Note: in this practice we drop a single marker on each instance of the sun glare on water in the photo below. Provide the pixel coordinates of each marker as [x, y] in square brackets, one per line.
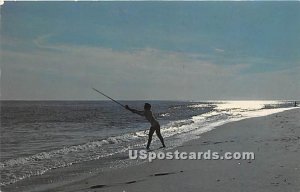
[250, 105]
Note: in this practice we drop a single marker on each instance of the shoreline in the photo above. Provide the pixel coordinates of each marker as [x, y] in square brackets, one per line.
[278, 137]
[132, 179]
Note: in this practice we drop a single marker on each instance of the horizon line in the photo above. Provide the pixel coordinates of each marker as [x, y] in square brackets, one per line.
[192, 100]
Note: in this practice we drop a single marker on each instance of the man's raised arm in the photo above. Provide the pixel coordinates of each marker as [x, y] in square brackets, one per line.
[141, 113]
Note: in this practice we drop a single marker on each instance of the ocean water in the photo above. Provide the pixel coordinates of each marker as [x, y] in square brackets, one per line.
[48, 138]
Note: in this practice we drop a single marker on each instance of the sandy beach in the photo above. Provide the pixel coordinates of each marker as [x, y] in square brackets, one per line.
[275, 140]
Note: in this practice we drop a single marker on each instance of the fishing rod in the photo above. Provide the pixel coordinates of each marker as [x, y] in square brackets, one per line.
[109, 97]
[112, 100]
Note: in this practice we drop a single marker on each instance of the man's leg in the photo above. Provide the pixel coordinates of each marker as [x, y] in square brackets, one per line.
[151, 131]
[160, 137]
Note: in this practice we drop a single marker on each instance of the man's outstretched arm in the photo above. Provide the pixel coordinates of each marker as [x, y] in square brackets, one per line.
[141, 113]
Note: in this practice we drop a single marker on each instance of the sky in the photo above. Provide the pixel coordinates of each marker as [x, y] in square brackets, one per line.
[150, 50]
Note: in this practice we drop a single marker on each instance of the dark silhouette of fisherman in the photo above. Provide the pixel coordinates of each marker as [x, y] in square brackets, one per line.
[147, 113]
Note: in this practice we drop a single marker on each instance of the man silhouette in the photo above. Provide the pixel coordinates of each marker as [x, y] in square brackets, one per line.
[147, 113]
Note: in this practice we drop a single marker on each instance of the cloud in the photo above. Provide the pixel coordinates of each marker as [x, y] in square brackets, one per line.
[69, 72]
[219, 50]
[283, 84]
[41, 41]
[137, 73]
